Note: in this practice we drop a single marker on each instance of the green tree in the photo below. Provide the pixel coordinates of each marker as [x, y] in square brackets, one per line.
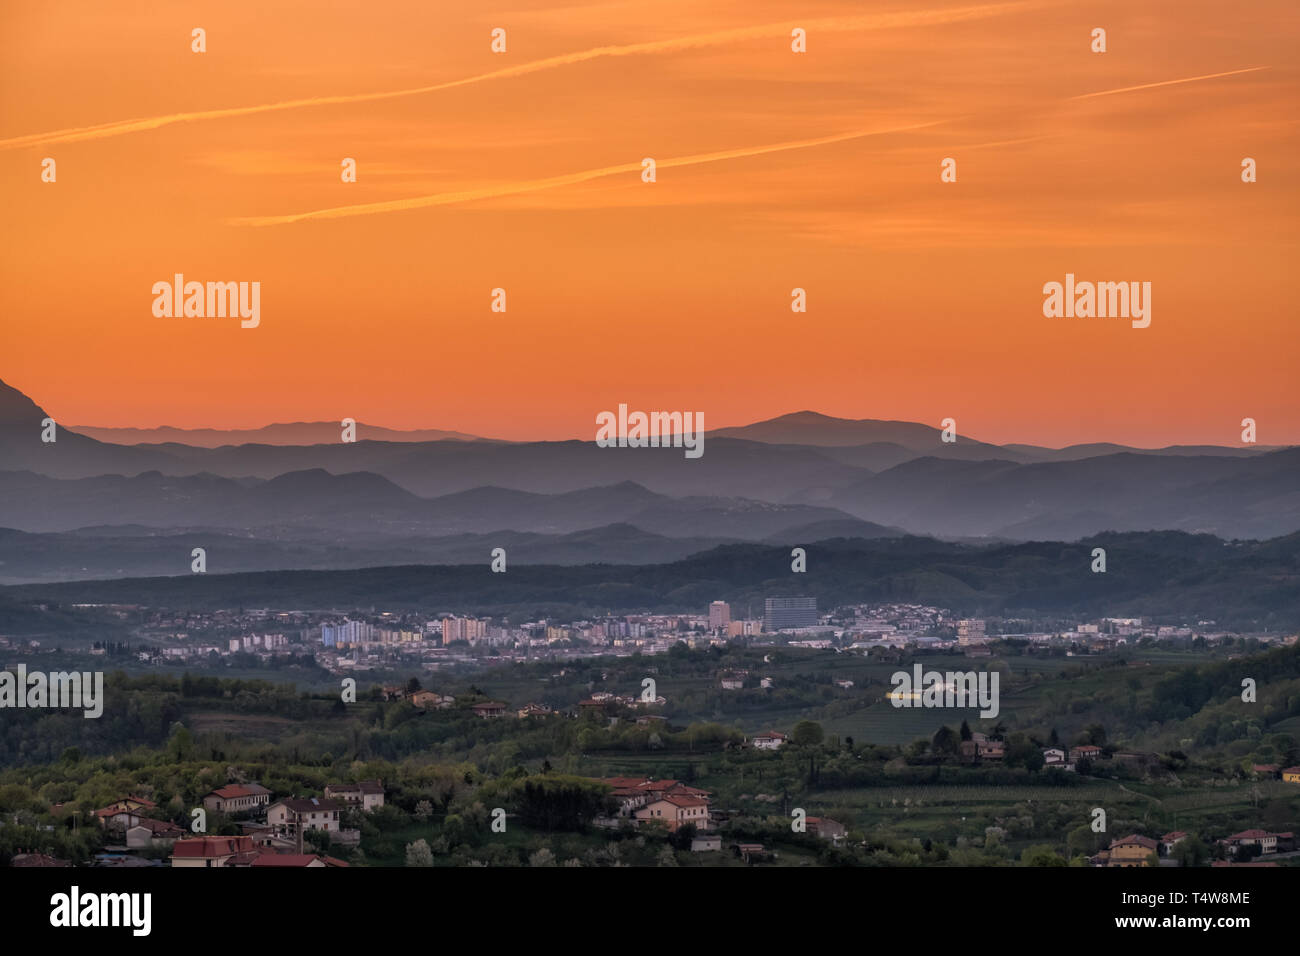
[419, 854]
[807, 733]
[1041, 855]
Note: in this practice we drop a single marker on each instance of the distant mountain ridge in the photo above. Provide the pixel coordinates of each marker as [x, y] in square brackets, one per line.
[280, 433]
[752, 482]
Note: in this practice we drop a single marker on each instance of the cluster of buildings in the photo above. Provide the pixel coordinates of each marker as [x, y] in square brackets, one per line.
[1136, 850]
[272, 830]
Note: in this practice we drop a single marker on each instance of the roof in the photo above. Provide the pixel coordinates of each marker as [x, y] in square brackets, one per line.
[1141, 841]
[1174, 835]
[309, 805]
[681, 800]
[232, 791]
[210, 846]
[157, 826]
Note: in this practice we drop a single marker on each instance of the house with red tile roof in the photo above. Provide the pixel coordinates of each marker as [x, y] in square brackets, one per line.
[237, 798]
[1172, 839]
[209, 851]
[152, 833]
[676, 810]
[1133, 850]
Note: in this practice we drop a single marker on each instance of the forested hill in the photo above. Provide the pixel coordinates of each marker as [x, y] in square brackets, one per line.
[1159, 575]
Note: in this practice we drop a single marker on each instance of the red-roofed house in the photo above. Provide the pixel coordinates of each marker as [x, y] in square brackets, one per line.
[209, 851]
[1267, 842]
[826, 829]
[237, 798]
[677, 810]
[124, 813]
[1171, 839]
[1131, 851]
[152, 833]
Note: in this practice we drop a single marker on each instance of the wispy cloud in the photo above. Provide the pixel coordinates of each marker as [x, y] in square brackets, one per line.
[570, 179]
[1150, 86]
[873, 21]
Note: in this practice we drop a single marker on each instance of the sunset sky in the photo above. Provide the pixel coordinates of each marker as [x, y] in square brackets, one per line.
[924, 299]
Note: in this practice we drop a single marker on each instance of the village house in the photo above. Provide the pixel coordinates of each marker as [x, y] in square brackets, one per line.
[1053, 757]
[635, 794]
[152, 833]
[1291, 774]
[209, 851]
[732, 680]
[1172, 839]
[490, 708]
[1266, 841]
[1131, 851]
[772, 740]
[706, 843]
[124, 813]
[991, 750]
[430, 700]
[534, 710]
[237, 798]
[364, 794]
[287, 816]
[1084, 752]
[676, 810]
[826, 829]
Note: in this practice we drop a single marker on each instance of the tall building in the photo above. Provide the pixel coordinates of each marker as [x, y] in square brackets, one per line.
[788, 612]
[349, 632]
[970, 632]
[719, 615]
[463, 629]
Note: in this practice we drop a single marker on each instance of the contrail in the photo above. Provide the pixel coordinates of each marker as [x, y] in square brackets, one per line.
[1147, 86]
[510, 189]
[874, 21]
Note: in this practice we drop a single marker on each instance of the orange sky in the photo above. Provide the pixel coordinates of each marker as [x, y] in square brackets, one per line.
[924, 298]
